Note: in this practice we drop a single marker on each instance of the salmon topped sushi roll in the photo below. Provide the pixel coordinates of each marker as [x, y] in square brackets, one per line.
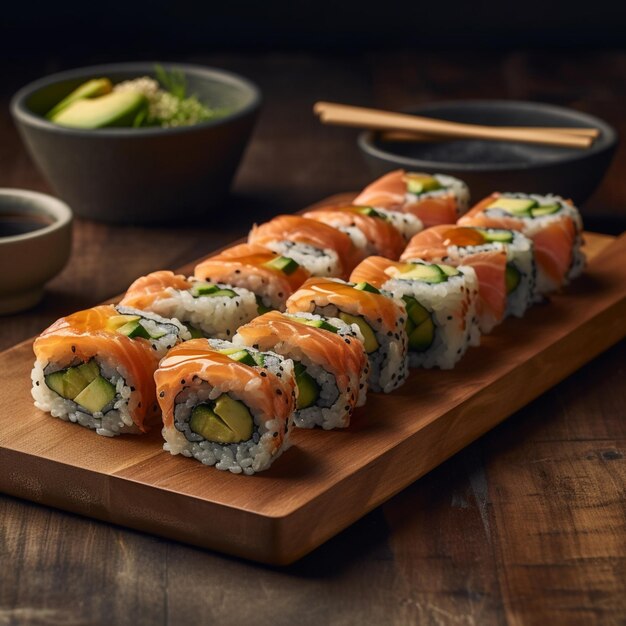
[269, 275]
[552, 223]
[330, 363]
[433, 198]
[380, 318]
[226, 406]
[492, 254]
[211, 309]
[370, 230]
[440, 301]
[95, 368]
[320, 248]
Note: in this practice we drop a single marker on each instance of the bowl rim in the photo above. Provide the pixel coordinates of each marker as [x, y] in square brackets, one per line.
[607, 140]
[44, 203]
[21, 113]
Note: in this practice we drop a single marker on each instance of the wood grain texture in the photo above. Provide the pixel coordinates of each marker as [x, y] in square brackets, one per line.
[283, 514]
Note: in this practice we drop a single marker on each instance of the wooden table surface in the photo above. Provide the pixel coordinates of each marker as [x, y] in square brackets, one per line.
[525, 526]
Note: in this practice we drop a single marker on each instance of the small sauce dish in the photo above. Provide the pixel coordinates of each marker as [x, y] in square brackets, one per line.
[35, 245]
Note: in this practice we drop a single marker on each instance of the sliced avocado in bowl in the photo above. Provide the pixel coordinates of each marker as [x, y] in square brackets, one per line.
[90, 89]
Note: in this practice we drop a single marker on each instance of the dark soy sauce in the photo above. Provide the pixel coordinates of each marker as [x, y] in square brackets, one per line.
[12, 224]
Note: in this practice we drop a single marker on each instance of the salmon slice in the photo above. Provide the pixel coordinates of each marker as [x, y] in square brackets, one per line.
[382, 237]
[303, 230]
[258, 388]
[390, 192]
[84, 335]
[436, 245]
[146, 290]
[322, 292]
[238, 264]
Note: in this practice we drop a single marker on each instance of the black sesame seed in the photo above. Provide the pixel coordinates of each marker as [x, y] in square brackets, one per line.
[182, 382]
[73, 348]
[37, 383]
[275, 435]
[449, 318]
[280, 294]
[361, 385]
[237, 271]
[347, 407]
[279, 392]
[132, 388]
[139, 405]
[347, 341]
[228, 332]
[162, 394]
[263, 374]
[389, 334]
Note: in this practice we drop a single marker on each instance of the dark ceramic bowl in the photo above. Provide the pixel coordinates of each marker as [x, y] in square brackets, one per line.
[146, 174]
[488, 166]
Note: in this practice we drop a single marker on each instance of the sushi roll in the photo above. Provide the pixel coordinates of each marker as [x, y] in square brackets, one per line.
[227, 407]
[440, 302]
[380, 318]
[554, 225]
[95, 368]
[433, 198]
[270, 276]
[503, 261]
[320, 248]
[211, 309]
[330, 364]
[370, 231]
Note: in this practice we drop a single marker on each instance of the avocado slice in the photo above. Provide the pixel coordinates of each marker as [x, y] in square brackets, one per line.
[223, 293]
[236, 416]
[548, 209]
[90, 89]
[421, 183]
[421, 338]
[283, 264]
[260, 307]
[67, 383]
[448, 270]
[207, 424]
[96, 395]
[370, 343]
[117, 321]
[118, 108]
[363, 286]
[89, 370]
[497, 235]
[512, 278]
[308, 389]
[416, 313]
[322, 324]
[427, 273]
[515, 206]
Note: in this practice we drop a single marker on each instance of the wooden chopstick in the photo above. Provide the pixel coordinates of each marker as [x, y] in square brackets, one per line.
[401, 135]
[346, 115]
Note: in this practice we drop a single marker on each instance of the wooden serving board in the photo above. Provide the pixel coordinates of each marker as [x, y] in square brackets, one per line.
[328, 479]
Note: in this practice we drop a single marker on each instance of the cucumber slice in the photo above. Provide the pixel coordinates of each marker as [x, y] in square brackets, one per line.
[369, 212]
[308, 389]
[370, 343]
[322, 324]
[203, 289]
[69, 382]
[223, 293]
[56, 382]
[421, 183]
[259, 358]
[236, 416]
[512, 278]
[283, 264]
[96, 395]
[134, 330]
[195, 333]
[498, 235]
[514, 206]
[363, 286]
[427, 273]
[242, 356]
[448, 270]
[548, 209]
[260, 307]
[207, 424]
[116, 321]
[421, 338]
[416, 313]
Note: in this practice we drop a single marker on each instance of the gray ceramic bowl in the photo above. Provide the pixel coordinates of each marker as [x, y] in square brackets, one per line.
[488, 166]
[31, 259]
[146, 174]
